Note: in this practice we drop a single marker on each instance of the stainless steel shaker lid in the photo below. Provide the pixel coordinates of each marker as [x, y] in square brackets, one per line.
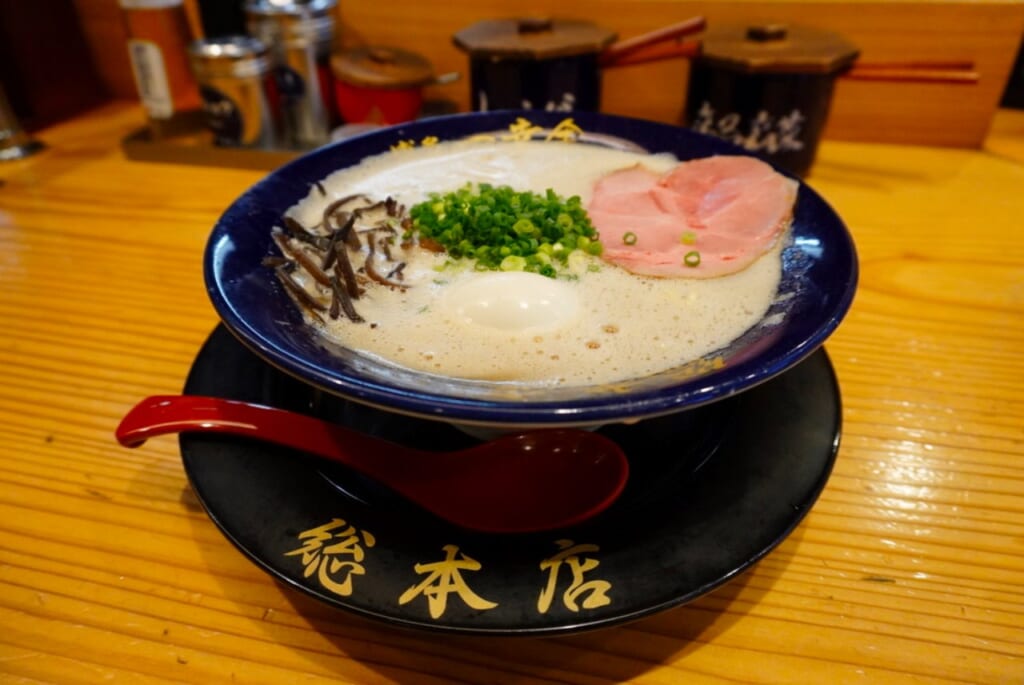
[278, 7]
[533, 37]
[293, 23]
[232, 56]
[149, 4]
[777, 48]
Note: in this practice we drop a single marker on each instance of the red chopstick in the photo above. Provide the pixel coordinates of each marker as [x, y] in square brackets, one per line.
[624, 48]
[949, 71]
[656, 53]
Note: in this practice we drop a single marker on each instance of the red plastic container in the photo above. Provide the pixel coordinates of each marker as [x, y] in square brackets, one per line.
[380, 85]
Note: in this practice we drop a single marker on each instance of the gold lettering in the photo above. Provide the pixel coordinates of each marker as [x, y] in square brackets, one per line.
[522, 129]
[594, 593]
[566, 131]
[334, 564]
[445, 577]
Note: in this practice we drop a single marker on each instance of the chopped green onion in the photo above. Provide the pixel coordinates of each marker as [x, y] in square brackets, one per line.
[692, 258]
[524, 227]
[513, 263]
[688, 238]
[492, 223]
[629, 238]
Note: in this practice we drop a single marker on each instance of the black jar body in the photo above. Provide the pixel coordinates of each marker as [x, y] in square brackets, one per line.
[557, 84]
[534, 63]
[767, 88]
[776, 116]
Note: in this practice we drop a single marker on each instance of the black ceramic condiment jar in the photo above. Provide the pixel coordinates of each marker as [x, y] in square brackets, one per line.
[534, 63]
[767, 88]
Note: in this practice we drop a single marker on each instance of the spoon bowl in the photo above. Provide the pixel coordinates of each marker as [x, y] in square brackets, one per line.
[518, 483]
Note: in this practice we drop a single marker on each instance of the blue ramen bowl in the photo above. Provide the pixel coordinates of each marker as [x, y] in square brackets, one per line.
[818, 283]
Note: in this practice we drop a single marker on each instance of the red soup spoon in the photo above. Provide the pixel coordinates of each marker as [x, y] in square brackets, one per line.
[526, 482]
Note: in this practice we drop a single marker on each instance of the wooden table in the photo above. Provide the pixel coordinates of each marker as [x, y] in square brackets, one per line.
[910, 568]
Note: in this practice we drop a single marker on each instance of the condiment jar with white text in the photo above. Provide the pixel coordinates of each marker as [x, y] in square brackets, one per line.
[767, 88]
[534, 63]
[158, 37]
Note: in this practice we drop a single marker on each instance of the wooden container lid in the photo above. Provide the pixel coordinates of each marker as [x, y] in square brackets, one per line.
[777, 48]
[382, 67]
[533, 37]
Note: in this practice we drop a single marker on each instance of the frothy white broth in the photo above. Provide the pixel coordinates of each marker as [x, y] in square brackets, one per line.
[604, 326]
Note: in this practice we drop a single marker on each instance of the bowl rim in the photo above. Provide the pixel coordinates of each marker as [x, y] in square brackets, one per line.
[298, 177]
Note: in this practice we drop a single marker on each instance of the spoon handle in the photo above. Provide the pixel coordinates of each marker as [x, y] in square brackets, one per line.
[164, 414]
[519, 483]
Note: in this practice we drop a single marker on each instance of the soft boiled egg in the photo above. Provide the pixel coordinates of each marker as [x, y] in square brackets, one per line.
[512, 301]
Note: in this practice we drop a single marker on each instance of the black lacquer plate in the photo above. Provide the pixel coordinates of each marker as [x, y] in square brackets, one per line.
[712, 490]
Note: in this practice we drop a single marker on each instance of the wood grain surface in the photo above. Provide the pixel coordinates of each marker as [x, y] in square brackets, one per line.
[908, 569]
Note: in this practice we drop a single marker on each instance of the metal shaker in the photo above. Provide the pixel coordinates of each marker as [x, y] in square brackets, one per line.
[299, 34]
[231, 73]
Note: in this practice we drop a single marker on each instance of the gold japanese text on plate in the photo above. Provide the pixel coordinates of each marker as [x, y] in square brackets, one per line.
[337, 552]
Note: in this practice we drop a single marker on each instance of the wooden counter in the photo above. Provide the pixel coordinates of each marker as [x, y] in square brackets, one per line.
[908, 569]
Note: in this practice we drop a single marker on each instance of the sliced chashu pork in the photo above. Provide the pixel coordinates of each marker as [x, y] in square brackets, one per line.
[732, 210]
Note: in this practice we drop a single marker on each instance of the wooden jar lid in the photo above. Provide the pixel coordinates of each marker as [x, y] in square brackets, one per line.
[777, 48]
[533, 37]
[382, 67]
